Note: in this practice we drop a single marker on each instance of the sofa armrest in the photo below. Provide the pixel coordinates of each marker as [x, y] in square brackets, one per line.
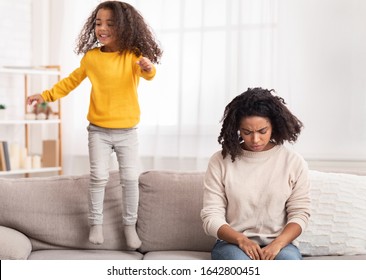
[14, 245]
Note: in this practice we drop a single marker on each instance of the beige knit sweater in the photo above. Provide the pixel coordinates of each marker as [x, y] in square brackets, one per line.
[258, 194]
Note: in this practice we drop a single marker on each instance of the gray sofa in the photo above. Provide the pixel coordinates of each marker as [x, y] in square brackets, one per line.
[45, 218]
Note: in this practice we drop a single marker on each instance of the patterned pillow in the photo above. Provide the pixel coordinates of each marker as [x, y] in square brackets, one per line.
[337, 225]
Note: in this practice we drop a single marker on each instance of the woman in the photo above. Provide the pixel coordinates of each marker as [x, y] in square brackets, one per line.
[256, 197]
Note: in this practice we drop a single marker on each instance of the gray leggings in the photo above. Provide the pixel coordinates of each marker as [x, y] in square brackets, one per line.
[102, 142]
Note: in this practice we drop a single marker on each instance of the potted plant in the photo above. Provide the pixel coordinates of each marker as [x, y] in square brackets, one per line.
[2, 112]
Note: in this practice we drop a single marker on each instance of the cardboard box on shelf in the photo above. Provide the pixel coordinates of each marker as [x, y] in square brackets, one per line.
[50, 156]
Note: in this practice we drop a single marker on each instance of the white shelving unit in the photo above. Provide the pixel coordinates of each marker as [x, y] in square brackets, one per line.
[20, 122]
[28, 73]
[30, 171]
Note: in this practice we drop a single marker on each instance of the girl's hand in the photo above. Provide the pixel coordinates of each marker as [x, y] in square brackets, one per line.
[145, 64]
[36, 97]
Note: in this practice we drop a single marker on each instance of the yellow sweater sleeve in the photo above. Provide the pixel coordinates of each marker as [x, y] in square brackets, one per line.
[65, 86]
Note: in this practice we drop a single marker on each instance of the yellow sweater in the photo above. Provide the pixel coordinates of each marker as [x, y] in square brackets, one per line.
[114, 78]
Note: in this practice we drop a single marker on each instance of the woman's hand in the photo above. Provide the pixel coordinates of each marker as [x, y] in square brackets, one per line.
[271, 251]
[289, 233]
[36, 97]
[249, 247]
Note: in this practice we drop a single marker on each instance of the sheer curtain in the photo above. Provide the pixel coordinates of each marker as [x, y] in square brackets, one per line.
[213, 50]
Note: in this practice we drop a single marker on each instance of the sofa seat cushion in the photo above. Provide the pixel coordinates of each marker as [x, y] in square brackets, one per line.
[14, 245]
[177, 255]
[337, 225]
[344, 257]
[85, 255]
[169, 212]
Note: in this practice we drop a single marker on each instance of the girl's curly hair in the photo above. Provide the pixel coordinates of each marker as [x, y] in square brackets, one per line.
[133, 33]
[257, 102]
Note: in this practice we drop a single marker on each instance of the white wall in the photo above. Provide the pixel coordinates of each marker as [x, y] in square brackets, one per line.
[15, 30]
[322, 69]
[15, 46]
[15, 49]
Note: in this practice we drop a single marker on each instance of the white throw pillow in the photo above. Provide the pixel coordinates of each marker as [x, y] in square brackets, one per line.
[14, 245]
[337, 225]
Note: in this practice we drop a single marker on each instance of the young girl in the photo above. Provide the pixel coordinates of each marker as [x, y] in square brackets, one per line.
[118, 48]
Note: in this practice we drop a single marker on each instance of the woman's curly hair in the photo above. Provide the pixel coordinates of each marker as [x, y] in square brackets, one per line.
[257, 102]
[133, 33]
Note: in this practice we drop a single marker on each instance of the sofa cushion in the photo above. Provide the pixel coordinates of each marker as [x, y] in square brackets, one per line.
[53, 211]
[85, 255]
[177, 255]
[169, 212]
[336, 257]
[14, 245]
[337, 225]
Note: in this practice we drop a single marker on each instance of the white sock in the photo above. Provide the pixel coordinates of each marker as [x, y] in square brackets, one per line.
[132, 239]
[96, 234]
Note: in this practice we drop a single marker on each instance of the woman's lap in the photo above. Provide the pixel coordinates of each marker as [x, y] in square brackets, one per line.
[226, 251]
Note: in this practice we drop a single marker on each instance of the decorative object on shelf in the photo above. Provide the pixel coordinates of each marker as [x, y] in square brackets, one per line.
[50, 157]
[27, 163]
[30, 116]
[36, 161]
[2, 112]
[14, 157]
[42, 111]
[23, 155]
[14, 153]
[41, 116]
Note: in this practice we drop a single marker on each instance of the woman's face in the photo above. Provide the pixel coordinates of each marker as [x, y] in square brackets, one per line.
[105, 30]
[256, 133]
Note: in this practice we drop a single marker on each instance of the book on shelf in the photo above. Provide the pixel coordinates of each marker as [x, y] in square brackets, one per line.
[4, 156]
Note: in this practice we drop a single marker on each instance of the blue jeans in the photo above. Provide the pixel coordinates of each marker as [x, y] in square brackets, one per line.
[223, 250]
[102, 142]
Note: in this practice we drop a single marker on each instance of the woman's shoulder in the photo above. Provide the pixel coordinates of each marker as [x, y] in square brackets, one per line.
[291, 151]
[216, 159]
[292, 155]
[217, 156]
